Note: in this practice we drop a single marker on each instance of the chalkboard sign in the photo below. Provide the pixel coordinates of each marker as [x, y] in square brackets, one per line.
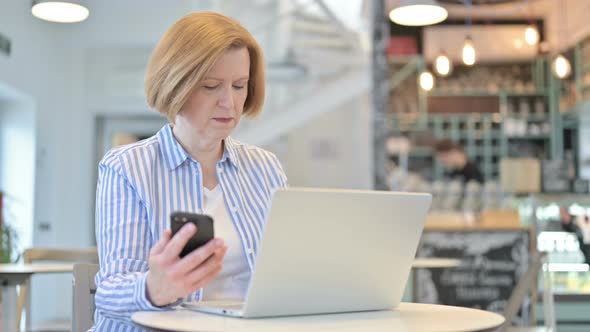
[491, 265]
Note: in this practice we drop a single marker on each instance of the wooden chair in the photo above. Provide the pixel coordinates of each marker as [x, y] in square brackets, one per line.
[62, 255]
[83, 290]
[526, 284]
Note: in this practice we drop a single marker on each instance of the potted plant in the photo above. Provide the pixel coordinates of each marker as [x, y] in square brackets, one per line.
[8, 238]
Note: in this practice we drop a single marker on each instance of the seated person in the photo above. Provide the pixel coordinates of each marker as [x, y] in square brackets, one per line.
[206, 72]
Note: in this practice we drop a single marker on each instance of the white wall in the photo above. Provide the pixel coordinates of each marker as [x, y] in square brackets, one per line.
[36, 69]
[333, 150]
[33, 69]
[17, 166]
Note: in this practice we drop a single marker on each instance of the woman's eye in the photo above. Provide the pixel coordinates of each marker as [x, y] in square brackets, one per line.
[210, 87]
[239, 87]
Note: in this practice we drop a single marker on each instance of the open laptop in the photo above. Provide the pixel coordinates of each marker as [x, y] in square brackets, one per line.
[329, 251]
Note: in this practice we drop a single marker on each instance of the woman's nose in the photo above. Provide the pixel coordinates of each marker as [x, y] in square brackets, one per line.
[226, 99]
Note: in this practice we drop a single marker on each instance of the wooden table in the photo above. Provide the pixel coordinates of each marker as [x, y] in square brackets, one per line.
[435, 263]
[408, 317]
[430, 263]
[13, 275]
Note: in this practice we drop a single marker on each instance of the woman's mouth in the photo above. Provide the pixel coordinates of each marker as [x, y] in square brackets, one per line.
[223, 120]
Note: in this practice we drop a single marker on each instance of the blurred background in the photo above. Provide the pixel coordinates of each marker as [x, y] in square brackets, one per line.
[359, 93]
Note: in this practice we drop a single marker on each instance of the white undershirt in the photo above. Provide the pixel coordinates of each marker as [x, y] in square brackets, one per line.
[232, 282]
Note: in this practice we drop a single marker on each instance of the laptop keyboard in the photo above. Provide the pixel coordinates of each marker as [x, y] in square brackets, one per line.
[232, 305]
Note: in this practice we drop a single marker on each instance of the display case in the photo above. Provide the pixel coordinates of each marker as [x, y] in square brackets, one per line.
[570, 275]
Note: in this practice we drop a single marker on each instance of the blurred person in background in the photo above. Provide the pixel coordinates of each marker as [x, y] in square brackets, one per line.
[579, 225]
[458, 164]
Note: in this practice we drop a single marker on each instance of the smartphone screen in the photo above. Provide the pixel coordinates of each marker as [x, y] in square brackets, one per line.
[204, 225]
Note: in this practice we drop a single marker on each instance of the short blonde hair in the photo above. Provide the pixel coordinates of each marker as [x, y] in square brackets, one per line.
[186, 53]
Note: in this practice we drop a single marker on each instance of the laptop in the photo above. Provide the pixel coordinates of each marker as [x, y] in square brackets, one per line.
[331, 251]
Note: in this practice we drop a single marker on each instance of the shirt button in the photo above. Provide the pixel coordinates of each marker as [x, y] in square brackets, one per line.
[234, 209]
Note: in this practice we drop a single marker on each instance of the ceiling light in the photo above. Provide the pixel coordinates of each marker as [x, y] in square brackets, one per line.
[469, 55]
[418, 13]
[531, 35]
[69, 11]
[443, 65]
[426, 80]
[561, 67]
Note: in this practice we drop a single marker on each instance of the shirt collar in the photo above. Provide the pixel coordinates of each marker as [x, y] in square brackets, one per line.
[174, 154]
[229, 151]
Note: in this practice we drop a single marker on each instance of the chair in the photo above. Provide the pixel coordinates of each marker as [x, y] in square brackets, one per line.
[526, 284]
[84, 288]
[62, 255]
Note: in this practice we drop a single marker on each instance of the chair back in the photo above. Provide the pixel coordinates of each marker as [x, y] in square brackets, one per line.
[39, 254]
[83, 290]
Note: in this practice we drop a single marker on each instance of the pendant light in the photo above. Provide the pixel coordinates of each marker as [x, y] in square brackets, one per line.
[469, 55]
[418, 13]
[65, 11]
[443, 65]
[531, 35]
[561, 67]
[426, 80]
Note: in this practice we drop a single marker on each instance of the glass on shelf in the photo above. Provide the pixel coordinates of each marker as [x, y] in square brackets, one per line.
[524, 108]
[539, 108]
[530, 87]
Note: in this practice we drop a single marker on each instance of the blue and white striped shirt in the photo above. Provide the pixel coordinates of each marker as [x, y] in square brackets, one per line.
[140, 185]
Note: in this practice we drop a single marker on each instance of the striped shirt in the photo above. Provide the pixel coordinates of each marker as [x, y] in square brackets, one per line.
[140, 185]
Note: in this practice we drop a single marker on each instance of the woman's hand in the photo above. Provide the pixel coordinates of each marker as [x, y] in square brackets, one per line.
[171, 277]
[565, 216]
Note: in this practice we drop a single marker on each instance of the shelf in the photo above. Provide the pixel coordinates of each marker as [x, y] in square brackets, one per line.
[562, 199]
[538, 93]
[449, 93]
[530, 117]
[528, 137]
[484, 93]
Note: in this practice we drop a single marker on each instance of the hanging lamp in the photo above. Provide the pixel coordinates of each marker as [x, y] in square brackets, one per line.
[66, 11]
[418, 13]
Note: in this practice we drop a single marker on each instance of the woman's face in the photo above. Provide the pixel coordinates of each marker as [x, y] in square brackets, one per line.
[215, 107]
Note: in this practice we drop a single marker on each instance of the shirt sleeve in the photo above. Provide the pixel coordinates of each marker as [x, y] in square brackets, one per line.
[124, 241]
[275, 173]
[280, 173]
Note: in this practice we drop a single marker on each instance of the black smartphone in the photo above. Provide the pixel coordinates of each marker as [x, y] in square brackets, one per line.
[204, 225]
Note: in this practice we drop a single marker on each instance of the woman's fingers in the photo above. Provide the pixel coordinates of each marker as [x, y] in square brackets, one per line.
[197, 257]
[161, 244]
[207, 271]
[206, 280]
[178, 241]
[205, 268]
